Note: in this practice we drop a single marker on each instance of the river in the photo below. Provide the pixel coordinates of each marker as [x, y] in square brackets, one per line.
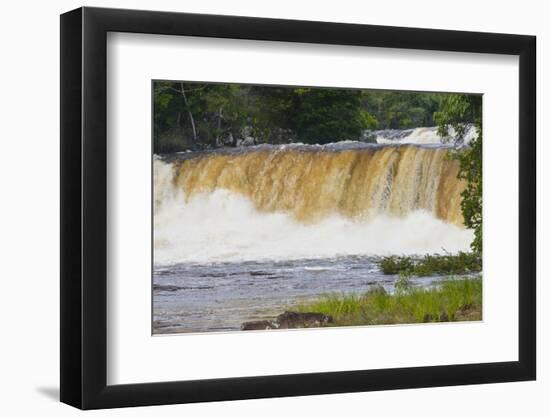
[243, 234]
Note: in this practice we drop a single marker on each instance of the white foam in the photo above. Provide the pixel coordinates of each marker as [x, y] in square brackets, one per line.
[224, 227]
[422, 136]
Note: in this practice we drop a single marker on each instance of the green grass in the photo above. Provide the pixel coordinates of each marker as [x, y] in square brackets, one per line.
[452, 300]
[459, 264]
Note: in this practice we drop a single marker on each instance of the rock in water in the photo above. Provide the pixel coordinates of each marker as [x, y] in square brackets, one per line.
[290, 320]
[170, 288]
[258, 325]
[377, 289]
[295, 320]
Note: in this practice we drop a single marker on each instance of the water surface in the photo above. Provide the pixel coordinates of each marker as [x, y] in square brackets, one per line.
[191, 297]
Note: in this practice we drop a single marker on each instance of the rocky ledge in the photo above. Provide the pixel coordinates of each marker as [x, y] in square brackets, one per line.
[290, 320]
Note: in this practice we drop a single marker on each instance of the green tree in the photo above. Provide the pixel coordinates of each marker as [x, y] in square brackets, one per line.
[329, 115]
[459, 111]
[176, 106]
[197, 116]
[400, 109]
[228, 111]
[275, 113]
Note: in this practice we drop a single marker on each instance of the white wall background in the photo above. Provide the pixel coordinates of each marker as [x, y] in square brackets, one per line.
[29, 225]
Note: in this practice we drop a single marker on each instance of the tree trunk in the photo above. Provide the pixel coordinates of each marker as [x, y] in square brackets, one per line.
[234, 138]
[218, 142]
[189, 112]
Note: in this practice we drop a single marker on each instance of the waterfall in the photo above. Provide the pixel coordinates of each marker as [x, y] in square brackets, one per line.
[313, 183]
[307, 201]
[422, 135]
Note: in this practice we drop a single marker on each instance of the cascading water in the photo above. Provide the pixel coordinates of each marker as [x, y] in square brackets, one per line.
[299, 201]
[422, 136]
[232, 226]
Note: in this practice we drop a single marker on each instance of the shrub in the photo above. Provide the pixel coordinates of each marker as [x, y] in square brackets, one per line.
[459, 264]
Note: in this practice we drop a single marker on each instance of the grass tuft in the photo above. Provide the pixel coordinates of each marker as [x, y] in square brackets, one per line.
[452, 300]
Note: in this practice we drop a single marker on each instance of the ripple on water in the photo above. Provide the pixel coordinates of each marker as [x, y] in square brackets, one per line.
[221, 296]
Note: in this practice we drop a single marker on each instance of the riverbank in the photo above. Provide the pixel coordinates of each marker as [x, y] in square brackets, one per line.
[452, 300]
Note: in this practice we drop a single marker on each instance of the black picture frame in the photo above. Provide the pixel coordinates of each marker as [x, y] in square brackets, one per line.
[84, 207]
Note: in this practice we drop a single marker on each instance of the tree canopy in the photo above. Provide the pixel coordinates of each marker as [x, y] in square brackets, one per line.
[206, 115]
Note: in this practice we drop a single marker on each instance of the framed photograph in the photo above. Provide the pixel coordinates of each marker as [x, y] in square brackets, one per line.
[258, 208]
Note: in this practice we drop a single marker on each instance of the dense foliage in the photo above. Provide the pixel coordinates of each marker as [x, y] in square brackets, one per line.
[401, 109]
[458, 111]
[327, 115]
[198, 116]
